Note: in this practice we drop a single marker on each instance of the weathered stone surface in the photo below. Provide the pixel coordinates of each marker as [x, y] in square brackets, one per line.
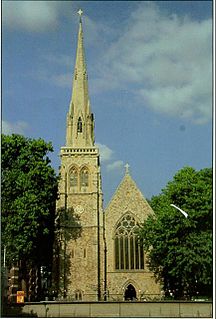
[127, 199]
[118, 309]
[86, 274]
[87, 204]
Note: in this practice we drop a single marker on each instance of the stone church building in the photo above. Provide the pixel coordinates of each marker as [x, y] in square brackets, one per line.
[106, 261]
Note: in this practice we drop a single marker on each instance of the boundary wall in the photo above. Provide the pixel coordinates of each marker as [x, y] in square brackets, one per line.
[147, 309]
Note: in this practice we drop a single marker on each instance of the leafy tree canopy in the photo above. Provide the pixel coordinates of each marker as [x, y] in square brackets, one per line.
[179, 248]
[67, 227]
[67, 224]
[29, 192]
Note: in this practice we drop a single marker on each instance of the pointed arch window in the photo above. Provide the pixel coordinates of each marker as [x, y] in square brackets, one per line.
[129, 253]
[73, 177]
[84, 177]
[79, 125]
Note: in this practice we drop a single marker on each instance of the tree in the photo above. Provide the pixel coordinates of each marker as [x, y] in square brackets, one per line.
[67, 228]
[180, 249]
[29, 193]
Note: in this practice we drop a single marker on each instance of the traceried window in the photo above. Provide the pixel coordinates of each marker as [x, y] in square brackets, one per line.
[73, 177]
[84, 177]
[79, 125]
[129, 253]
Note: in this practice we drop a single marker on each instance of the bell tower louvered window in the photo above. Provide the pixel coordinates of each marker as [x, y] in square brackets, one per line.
[129, 253]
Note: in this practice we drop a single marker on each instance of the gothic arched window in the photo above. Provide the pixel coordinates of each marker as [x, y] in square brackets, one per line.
[79, 125]
[73, 177]
[84, 177]
[129, 254]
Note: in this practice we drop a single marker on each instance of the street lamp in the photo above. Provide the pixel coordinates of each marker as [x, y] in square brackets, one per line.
[65, 211]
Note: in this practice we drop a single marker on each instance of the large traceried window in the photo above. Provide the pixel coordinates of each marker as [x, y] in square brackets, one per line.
[73, 177]
[129, 254]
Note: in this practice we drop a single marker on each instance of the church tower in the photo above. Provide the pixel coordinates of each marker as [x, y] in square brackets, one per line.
[80, 190]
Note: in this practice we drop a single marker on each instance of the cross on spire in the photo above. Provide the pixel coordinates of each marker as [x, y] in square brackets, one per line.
[80, 12]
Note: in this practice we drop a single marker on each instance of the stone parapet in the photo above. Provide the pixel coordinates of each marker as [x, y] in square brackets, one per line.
[162, 309]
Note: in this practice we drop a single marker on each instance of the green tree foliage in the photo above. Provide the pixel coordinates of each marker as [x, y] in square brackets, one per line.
[67, 227]
[67, 223]
[179, 248]
[29, 192]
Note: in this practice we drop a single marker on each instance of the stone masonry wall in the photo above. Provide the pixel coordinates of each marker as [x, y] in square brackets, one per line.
[127, 198]
[82, 276]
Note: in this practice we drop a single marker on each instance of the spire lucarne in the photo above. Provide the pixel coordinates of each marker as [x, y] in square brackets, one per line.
[80, 120]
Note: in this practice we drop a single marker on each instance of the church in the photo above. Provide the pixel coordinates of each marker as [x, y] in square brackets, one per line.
[106, 262]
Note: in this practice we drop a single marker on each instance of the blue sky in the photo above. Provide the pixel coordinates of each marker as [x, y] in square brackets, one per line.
[150, 81]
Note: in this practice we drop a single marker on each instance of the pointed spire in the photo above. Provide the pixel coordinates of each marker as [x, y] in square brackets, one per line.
[80, 56]
[80, 123]
[127, 169]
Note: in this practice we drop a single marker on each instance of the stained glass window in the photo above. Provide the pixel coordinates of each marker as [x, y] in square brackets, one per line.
[129, 253]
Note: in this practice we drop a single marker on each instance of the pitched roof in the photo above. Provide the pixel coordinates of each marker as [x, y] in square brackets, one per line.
[128, 197]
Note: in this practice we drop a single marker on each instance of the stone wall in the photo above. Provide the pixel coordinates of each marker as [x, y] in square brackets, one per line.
[83, 273]
[116, 309]
[127, 199]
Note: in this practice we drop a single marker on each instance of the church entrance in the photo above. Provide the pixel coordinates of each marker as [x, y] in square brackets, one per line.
[130, 293]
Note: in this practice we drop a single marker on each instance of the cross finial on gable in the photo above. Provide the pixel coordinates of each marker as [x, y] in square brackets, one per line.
[127, 168]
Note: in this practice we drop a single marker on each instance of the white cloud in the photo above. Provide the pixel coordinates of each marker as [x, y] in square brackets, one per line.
[105, 152]
[106, 155]
[10, 128]
[62, 80]
[166, 60]
[60, 59]
[31, 15]
[47, 72]
[117, 165]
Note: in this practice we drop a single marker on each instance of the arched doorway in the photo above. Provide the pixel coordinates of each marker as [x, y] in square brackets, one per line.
[130, 293]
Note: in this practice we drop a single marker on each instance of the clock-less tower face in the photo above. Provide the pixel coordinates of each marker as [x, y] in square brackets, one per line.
[80, 187]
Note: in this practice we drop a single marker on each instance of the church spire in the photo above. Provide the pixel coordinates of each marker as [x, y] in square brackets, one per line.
[127, 166]
[80, 122]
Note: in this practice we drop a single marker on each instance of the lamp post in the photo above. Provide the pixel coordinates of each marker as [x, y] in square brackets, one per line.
[98, 233]
[65, 211]
[4, 281]
[105, 261]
